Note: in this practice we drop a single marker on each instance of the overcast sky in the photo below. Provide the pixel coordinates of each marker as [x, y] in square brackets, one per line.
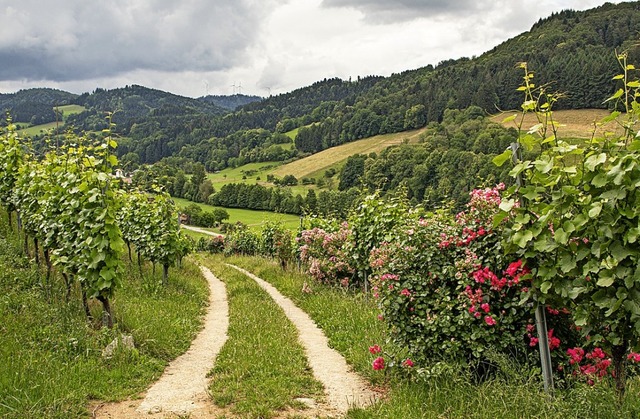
[195, 47]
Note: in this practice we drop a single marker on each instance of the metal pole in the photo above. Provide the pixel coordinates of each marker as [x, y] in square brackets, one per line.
[543, 345]
[541, 318]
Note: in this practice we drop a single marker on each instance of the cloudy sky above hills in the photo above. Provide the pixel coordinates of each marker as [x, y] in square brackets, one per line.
[198, 47]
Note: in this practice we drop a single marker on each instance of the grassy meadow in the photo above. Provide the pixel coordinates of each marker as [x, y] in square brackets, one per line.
[319, 162]
[254, 219]
[248, 173]
[572, 123]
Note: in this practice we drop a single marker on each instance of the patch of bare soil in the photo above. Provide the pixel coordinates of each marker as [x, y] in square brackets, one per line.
[182, 389]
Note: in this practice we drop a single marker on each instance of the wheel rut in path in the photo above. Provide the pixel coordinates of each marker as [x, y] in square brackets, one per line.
[343, 387]
[182, 388]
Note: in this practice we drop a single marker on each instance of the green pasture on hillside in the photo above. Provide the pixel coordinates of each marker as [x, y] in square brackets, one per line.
[250, 172]
[39, 129]
[313, 166]
[254, 219]
[292, 134]
[66, 110]
[70, 109]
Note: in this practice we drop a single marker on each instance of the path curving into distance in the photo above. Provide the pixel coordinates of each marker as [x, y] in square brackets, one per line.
[182, 388]
[343, 387]
[200, 230]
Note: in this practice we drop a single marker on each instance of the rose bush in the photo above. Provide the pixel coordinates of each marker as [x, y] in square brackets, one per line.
[444, 288]
[326, 254]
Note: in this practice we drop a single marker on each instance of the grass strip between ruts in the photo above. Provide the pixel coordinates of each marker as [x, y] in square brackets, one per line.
[262, 368]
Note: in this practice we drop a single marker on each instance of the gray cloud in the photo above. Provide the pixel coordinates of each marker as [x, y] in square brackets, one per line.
[267, 45]
[385, 11]
[80, 40]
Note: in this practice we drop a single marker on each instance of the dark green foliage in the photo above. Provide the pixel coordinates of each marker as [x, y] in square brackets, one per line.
[258, 197]
[454, 158]
[230, 102]
[34, 106]
[198, 217]
[351, 172]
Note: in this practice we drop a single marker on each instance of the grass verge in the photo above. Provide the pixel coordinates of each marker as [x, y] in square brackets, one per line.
[262, 368]
[51, 363]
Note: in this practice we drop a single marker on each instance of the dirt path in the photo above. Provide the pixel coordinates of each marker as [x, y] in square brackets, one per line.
[200, 230]
[182, 388]
[343, 387]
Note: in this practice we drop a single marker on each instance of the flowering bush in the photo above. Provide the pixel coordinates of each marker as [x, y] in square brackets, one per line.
[444, 288]
[326, 254]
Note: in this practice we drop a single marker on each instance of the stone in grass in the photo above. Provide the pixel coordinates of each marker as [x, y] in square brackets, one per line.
[125, 341]
[309, 403]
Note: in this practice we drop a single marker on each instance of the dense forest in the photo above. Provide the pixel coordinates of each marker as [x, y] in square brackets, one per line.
[232, 102]
[572, 51]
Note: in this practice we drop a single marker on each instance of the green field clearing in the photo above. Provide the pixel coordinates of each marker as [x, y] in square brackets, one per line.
[260, 170]
[39, 129]
[66, 110]
[235, 175]
[71, 109]
[253, 219]
[323, 160]
[292, 134]
[286, 146]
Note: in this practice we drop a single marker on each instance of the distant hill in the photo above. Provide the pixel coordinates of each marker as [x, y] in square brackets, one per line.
[232, 102]
[132, 104]
[34, 106]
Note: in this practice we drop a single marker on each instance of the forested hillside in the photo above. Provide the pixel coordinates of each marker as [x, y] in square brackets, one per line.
[34, 106]
[134, 104]
[571, 50]
[230, 102]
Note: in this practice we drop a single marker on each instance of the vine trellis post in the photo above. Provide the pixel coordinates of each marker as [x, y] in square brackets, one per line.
[541, 319]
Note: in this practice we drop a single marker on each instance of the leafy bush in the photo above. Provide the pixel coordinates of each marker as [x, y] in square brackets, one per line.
[277, 242]
[213, 244]
[242, 241]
